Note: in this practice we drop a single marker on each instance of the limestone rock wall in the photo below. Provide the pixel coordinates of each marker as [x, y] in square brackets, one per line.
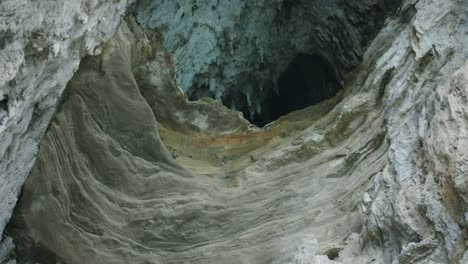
[41, 44]
[377, 174]
[419, 208]
[236, 50]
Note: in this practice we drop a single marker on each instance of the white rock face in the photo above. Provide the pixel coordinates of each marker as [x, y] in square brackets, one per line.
[420, 204]
[41, 44]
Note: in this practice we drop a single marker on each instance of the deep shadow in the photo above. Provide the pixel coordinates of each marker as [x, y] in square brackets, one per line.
[307, 80]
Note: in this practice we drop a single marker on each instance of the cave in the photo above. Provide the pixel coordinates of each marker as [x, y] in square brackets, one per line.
[307, 80]
[144, 132]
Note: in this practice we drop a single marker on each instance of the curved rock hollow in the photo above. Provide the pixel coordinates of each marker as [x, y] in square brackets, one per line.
[130, 171]
[236, 51]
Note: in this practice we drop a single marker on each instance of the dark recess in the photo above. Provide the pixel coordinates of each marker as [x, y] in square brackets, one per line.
[307, 80]
[333, 254]
[4, 102]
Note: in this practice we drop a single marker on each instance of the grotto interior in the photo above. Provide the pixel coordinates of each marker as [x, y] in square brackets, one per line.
[306, 81]
[212, 131]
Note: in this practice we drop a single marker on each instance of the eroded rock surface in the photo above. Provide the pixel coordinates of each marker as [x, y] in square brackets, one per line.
[131, 172]
[41, 44]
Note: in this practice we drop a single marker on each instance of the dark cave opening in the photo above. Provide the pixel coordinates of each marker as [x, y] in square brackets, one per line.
[306, 81]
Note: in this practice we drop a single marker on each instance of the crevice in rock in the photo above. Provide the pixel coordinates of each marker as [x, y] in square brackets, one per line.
[4, 102]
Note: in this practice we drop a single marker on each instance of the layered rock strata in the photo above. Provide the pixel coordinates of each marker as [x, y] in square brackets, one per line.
[41, 44]
[131, 172]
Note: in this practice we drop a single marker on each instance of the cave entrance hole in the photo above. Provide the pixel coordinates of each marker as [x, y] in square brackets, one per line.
[306, 81]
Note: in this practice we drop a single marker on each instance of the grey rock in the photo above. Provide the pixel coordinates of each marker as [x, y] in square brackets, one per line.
[41, 44]
[6, 247]
[414, 252]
